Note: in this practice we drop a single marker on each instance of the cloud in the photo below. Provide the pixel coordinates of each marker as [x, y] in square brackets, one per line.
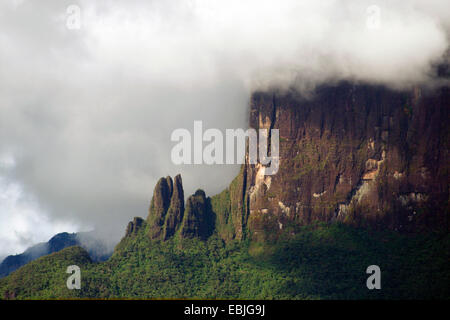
[87, 114]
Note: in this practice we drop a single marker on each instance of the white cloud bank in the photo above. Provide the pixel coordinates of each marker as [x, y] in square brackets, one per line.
[23, 224]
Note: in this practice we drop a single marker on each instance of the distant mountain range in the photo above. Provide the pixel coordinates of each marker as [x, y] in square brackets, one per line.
[97, 250]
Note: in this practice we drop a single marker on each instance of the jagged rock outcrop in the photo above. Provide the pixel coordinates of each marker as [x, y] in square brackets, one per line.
[162, 195]
[168, 216]
[196, 222]
[176, 209]
[134, 226]
[364, 155]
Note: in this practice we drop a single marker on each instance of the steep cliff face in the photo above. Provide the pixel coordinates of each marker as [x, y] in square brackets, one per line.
[364, 155]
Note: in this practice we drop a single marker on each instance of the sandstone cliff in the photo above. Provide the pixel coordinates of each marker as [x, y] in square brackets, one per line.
[363, 155]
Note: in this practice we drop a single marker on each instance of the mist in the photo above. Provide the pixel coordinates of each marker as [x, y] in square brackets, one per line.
[86, 113]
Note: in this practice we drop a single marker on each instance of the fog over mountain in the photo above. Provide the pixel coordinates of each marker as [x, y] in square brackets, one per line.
[86, 114]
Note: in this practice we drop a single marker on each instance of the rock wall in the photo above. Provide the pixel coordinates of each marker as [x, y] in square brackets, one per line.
[364, 155]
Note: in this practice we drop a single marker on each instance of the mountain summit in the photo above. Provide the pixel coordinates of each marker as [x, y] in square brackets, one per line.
[97, 250]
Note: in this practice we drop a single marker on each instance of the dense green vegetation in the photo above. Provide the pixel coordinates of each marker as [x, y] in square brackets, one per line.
[320, 262]
[45, 278]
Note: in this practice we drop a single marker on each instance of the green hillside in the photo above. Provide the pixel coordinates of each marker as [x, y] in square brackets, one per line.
[320, 262]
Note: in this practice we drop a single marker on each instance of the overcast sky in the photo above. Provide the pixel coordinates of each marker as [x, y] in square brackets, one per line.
[86, 114]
